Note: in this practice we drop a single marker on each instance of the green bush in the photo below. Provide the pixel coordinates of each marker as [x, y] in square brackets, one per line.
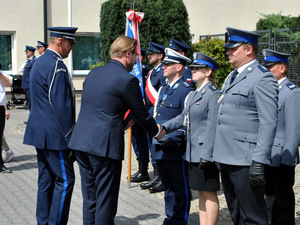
[97, 65]
[214, 48]
[163, 19]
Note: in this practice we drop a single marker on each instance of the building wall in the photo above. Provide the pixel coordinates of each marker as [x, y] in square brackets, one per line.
[24, 19]
[212, 17]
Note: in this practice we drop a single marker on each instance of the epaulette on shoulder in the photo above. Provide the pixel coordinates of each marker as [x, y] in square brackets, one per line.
[263, 69]
[213, 88]
[186, 84]
[291, 86]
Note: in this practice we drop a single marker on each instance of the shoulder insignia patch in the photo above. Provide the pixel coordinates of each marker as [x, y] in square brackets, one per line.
[158, 69]
[263, 69]
[186, 84]
[291, 85]
[60, 70]
[213, 88]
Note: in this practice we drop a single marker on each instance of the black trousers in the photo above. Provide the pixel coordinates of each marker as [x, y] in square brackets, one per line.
[2, 125]
[280, 182]
[100, 184]
[140, 144]
[245, 202]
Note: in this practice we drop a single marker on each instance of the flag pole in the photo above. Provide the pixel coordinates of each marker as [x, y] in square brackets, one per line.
[129, 138]
[132, 20]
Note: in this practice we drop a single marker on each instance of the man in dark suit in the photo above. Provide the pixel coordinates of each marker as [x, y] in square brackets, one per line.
[98, 137]
[280, 174]
[246, 129]
[49, 126]
[27, 68]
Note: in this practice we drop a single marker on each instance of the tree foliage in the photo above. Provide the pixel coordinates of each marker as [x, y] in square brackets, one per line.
[277, 21]
[163, 19]
[214, 48]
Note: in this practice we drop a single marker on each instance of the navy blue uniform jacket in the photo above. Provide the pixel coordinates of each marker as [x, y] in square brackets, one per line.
[108, 92]
[26, 72]
[52, 115]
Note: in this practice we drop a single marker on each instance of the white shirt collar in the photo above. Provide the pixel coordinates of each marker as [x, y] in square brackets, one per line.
[199, 88]
[171, 84]
[281, 80]
[241, 69]
[55, 52]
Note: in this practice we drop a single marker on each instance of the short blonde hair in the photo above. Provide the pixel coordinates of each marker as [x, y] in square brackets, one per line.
[121, 45]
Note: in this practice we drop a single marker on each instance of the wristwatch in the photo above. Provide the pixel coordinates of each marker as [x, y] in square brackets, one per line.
[163, 127]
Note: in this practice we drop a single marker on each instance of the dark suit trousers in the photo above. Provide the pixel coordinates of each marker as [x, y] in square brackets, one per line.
[100, 184]
[280, 182]
[55, 186]
[245, 202]
[177, 193]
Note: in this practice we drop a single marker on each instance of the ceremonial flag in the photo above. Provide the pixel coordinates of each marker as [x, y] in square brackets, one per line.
[132, 30]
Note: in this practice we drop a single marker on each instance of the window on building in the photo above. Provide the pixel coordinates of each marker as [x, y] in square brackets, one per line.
[5, 52]
[86, 52]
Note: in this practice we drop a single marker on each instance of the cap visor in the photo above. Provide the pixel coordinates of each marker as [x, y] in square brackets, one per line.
[266, 64]
[232, 45]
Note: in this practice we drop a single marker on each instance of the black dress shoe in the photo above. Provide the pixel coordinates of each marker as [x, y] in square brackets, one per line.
[5, 170]
[159, 187]
[139, 177]
[150, 184]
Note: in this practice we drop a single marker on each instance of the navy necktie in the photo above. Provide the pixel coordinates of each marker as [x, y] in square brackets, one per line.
[233, 75]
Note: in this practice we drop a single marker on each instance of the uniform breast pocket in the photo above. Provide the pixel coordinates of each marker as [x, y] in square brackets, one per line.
[173, 109]
[241, 96]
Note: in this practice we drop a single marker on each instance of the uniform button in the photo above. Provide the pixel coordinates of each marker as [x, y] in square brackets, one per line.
[245, 138]
[219, 123]
[171, 105]
[223, 103]
[226, 92]
[221, 113]
[158, 114]
[160, 106]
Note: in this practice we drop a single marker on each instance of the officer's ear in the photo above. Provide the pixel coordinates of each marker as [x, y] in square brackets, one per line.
[59, 41]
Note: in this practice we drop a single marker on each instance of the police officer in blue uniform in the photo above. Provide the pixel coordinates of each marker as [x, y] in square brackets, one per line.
[246, 127]
[41, 47]
[145, 69]
[154, 81]
[27, 68]
[139, 138]
[169, 151]
[182, 48]
[49, 127]
[280, 174]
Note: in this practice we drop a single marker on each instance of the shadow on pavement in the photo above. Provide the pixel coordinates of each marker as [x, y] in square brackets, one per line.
[122, 220]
